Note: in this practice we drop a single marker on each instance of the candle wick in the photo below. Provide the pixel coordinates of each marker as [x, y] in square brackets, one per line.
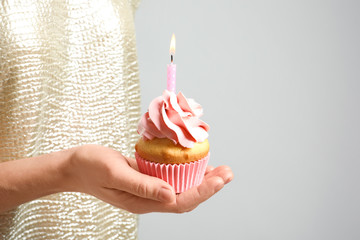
[172, 58]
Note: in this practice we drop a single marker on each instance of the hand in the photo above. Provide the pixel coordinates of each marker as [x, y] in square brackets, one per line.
[214, 181]
[114, 178]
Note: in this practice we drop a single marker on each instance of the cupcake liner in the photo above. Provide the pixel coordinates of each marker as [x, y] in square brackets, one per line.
[181, 176]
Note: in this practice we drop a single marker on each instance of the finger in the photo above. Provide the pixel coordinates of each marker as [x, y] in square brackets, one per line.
[212, 183]
[132, 203]
[185, 202]
[190, 199]
[142, 185]
[224, 172]
[209, 169]
[132, 163]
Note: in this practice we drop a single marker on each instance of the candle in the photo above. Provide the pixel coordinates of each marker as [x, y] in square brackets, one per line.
[171, 68]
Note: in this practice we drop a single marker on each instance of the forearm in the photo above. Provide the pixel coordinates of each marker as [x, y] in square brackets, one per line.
[103, 173]
[28, 179]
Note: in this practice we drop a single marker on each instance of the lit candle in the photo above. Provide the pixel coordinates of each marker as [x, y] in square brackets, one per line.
[171, 68]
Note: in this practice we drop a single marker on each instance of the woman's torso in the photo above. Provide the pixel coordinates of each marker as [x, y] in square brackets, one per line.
[68, 77]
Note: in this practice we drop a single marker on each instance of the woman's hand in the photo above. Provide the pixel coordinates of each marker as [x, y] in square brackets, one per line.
[113, 178]
[103, 173]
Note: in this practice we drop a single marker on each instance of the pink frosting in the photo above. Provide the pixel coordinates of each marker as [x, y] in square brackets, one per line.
[174, 117]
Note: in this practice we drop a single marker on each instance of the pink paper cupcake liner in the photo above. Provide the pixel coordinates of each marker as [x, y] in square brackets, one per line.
[181, 176]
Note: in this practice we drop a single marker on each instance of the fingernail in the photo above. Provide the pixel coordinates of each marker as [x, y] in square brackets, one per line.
[229, 178]
[166, 195]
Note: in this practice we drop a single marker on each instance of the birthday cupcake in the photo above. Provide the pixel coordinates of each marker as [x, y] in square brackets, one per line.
[173, 144]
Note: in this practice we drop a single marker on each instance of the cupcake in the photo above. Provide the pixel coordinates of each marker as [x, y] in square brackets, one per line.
[173, 144]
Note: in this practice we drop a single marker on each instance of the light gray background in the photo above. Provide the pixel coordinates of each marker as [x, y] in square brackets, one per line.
[279, 82]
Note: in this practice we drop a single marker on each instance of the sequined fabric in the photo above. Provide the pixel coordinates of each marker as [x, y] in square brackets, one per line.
[68, 77]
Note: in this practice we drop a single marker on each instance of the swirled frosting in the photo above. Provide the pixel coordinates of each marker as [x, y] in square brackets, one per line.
[174, 117]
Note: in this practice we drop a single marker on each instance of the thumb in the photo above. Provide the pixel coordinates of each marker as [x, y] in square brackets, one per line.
[146, 186]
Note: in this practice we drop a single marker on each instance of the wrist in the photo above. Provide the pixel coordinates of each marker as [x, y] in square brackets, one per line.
[66, 178]
[73, 169]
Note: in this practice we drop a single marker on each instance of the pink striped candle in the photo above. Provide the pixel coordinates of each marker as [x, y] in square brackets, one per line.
[171, 68]
[171, 77]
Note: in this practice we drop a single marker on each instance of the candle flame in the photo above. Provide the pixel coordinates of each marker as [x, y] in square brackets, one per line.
[172, 45]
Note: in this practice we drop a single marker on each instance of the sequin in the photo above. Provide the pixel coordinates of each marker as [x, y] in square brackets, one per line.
[68, 77]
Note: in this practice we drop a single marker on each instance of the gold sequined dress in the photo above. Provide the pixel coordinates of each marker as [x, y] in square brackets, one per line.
[68, 77]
